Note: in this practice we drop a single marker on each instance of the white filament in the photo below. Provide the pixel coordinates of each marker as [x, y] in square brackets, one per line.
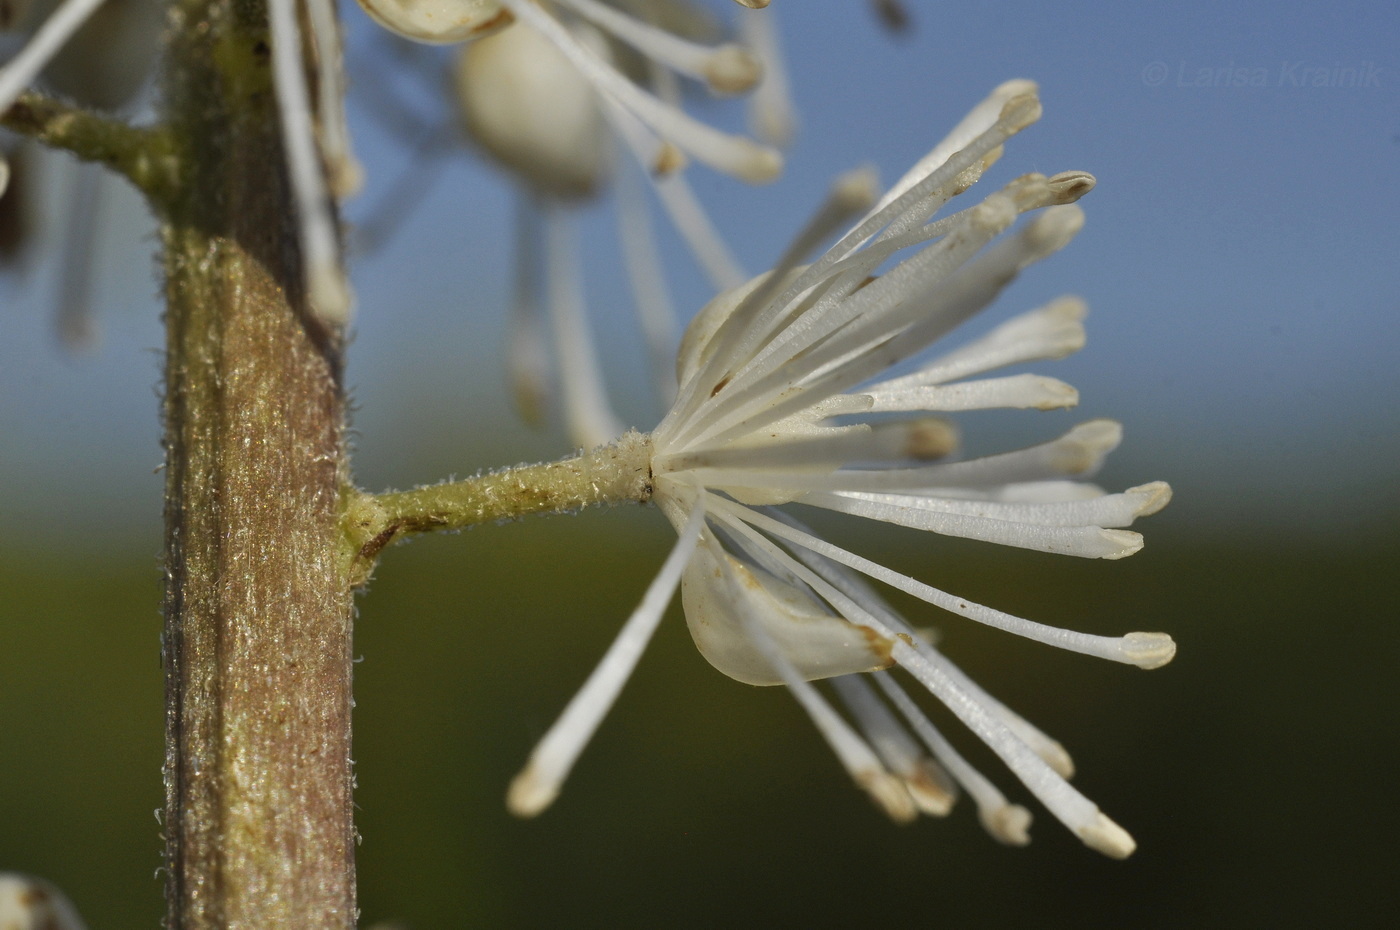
[536, 787]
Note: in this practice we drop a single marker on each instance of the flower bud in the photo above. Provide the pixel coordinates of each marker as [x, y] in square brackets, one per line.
[532, 111]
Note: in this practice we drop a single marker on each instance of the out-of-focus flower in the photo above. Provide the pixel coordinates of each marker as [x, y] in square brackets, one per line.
[100, 58]
[29, 903]
[785, 399]
[546, 100]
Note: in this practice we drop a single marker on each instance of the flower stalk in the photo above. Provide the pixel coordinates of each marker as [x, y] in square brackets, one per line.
[144, 156]
[619, 472]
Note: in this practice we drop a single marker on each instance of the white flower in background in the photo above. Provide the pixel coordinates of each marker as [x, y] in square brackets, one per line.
[103, 62]
[784, 399]
[29, 903]
[544, 99]
[319, 162]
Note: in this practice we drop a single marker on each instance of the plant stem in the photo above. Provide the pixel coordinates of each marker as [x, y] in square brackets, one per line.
[257, 645]
[616, 473]
[142, 155]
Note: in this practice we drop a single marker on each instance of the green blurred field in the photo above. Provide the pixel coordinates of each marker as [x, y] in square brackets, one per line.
[1252, 771]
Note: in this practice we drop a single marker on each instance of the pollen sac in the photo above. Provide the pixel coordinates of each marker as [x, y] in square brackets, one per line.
[817, 643]
[532, 111]
[439, 22]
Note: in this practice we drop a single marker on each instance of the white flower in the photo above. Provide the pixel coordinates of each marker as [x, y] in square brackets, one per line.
[544, 99]
[764, 371]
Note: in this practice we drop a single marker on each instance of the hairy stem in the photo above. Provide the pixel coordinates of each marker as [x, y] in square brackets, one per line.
[145, 156]
[257, 650]
[611, 474]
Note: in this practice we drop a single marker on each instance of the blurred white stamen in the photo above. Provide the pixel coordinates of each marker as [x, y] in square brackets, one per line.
[346, 175]
[735, 155]
[772, 116]
[327, 291]
[529, 367]
[19, 72]
[677, 198]
[726, 69]
[587, 414]
[77, 323]
[655, 311]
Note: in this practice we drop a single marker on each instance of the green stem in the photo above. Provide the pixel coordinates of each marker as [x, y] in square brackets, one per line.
[145, 156]
[616, 473]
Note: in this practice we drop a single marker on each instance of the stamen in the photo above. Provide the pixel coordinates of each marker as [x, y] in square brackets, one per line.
[1078, 452]
[829, 446]
[1052, 751]
[346, 175]
[726, 69]
[772, 116]
[1133, 649]
[528, 360]
[1090, 542]
[853, 752]
[677, 198]
[1103, 510]
[655, 312]
[587, 414]
[743, 158]
[77, 325]
[19, 72]
[733, 335]
[838, 592]
[957, 297]
[1070, 807]
[938, 185]
[933, 792]
[327, 292]
[922, 273]
[976, 122]
[1050, 332]
[894, 317]
[855, 589]
[1006, 822]
[1017, 391]
[536, 787]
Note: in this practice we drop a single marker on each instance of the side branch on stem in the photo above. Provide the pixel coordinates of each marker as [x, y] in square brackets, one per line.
[616, 473]
[146, 156]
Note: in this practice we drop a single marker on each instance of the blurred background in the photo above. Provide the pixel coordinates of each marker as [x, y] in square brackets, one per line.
[1240, 263]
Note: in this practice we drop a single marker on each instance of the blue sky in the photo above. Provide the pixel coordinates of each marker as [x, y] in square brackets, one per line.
[1240, 258]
